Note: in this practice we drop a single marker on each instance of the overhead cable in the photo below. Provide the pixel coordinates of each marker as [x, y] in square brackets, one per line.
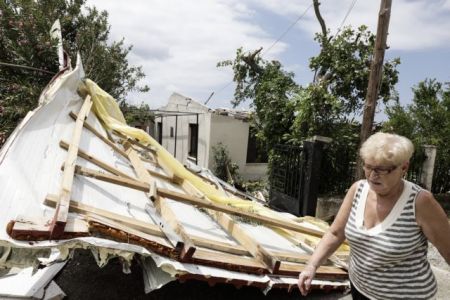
[271, 46]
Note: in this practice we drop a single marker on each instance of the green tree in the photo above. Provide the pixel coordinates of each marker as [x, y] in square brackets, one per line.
[25, 40]
[426, 121]
[270, 89]
[340, 82]
[288, 113]
[224, 168]
[137, 113]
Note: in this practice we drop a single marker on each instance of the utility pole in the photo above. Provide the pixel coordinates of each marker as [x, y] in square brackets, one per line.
[376, 71]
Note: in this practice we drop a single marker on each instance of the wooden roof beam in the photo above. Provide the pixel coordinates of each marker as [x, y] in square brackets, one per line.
[62, 209]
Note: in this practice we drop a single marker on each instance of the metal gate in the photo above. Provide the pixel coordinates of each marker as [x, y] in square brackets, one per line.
[294, 177]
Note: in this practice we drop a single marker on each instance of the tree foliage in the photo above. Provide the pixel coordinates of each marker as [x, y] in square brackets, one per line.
[426, 122]
[224, 167]
[285, 112]
[139, 114]
[270, 89]
[25, 40]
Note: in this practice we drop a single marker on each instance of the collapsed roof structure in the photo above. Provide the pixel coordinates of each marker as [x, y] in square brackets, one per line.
[74, 175]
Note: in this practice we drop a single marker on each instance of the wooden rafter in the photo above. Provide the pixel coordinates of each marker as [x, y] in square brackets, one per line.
[238, 233]
[234, 211]
[100, 136]
[135, 142]
[145, 227]
[97, 161]
[130, 183]
[60, 218]
[159, 204]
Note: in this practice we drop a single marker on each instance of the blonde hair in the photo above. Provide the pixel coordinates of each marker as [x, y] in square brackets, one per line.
[387, 148]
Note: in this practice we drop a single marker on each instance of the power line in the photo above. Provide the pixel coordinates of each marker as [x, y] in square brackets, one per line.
[346, 15]
[288, 29]
[26, 67]
[268, 49]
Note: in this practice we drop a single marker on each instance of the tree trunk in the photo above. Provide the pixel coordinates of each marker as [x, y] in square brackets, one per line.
[376, 71]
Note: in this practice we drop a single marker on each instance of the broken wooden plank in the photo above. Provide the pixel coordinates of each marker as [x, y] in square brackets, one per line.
[219, 246]
[300, 240]
[59, 220]
[87, 210]
[141, 171]
[247, 240]
[135, 142]
[100, 136]
[167, 223]
[229, 261]
[143, 226]
[96, 161]
[133, 184]
[27, 229]
[234, 211]
[122, 233]
[201, 256]
[162, 176]
[291, 256]
[239, 234]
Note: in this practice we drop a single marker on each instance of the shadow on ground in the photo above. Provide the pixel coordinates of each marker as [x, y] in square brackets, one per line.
[81, 278]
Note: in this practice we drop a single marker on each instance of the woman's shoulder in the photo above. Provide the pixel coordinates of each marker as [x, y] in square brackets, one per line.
[424, 198]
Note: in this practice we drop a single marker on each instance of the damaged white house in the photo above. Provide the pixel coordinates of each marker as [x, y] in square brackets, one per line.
[190, 130]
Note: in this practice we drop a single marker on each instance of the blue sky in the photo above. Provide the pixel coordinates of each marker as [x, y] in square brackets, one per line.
[179, 42]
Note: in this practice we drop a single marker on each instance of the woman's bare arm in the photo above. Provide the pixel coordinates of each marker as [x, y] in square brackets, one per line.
[335, 236]
[332, 239]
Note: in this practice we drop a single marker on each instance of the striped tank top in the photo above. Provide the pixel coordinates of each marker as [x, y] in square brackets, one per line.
[389, 260]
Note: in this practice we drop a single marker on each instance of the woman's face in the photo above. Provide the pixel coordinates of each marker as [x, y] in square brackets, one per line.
[383, 177]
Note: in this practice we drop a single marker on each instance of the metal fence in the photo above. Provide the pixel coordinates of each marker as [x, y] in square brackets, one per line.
[416, 166]
[441, 176]
[286, 177]
[294, 177]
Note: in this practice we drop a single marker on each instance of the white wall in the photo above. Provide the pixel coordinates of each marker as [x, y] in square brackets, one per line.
[212, 129]
[180, 103]
[233, 133]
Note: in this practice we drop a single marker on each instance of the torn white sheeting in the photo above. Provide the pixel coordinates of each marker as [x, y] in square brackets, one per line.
[168, 269]
[28, 282]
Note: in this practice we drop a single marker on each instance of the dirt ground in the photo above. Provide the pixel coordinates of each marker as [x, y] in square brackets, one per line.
[81, 278]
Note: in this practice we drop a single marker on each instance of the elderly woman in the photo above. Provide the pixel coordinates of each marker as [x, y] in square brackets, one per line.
[387, 222]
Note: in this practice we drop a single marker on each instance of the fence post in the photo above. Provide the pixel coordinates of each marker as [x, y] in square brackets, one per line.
[313, 152]
[426, 177]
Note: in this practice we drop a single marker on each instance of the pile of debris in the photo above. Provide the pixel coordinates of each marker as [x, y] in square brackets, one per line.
[74, 175]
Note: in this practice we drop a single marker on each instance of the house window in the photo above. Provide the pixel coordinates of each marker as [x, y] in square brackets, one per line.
[256, 153]
[171, 132]
[193, 140]
[159, 132]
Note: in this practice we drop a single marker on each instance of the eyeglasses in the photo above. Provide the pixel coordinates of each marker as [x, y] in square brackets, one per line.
[379, 170]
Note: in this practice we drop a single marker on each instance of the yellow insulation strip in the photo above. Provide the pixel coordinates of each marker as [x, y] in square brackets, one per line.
[109, 113]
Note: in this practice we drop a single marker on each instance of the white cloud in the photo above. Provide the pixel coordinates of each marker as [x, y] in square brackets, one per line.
[179, 42]
[414, 24]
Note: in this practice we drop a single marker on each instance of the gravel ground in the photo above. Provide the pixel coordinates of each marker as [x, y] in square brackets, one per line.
[441, 271]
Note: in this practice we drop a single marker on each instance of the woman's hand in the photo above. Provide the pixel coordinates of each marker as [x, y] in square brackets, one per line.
[305, 278]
